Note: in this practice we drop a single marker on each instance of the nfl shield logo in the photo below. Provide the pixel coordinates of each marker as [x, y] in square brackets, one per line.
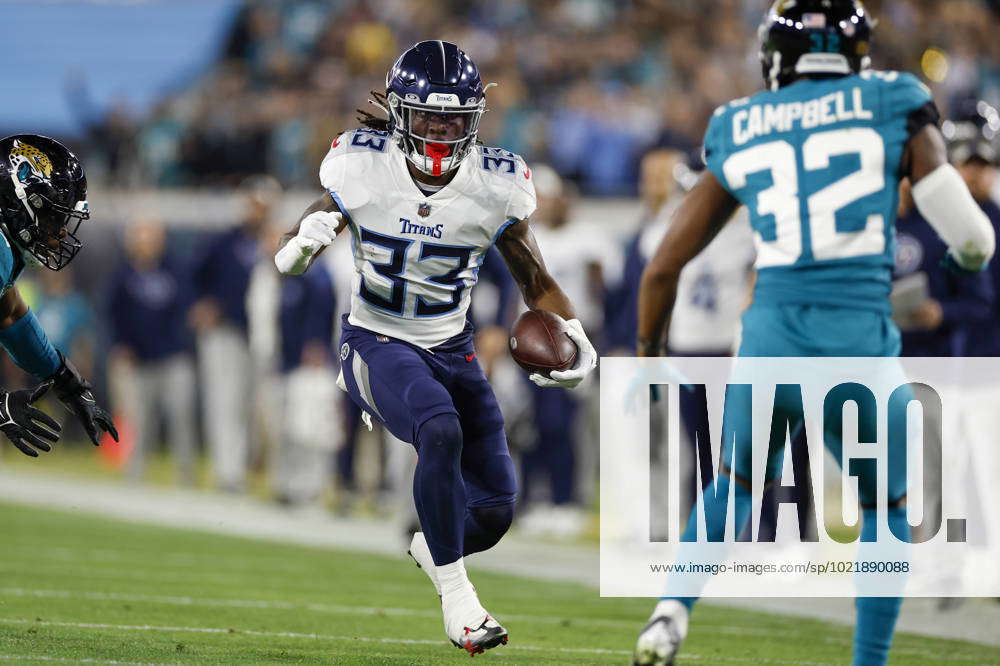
[424, 209]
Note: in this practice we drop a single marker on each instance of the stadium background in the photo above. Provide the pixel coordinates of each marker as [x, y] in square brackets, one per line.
[177, 108]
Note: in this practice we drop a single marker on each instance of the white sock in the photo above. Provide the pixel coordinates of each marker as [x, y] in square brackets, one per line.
[452, 577]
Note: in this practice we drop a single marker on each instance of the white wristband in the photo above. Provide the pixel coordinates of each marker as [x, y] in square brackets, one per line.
[294, 257]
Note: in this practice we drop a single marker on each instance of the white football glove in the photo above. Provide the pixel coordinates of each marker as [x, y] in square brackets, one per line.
[316, 231]
[586, 360]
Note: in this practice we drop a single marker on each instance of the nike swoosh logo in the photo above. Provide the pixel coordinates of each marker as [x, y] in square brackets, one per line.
[527, 174]
[336, 142]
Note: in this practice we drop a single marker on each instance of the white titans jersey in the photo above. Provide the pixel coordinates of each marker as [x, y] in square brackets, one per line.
[416, 257]
[714, 287]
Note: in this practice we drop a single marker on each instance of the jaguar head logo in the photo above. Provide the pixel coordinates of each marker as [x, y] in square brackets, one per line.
[26, 159]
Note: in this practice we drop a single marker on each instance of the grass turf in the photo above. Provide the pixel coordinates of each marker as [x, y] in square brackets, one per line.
[74, 587]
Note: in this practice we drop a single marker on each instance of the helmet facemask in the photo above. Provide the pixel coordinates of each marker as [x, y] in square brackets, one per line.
[49, 234]
[458, 125]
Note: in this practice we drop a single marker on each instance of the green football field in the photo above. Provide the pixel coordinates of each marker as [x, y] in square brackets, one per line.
[74, 588]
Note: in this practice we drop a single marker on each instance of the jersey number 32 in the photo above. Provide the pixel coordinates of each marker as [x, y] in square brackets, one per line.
[783, 199]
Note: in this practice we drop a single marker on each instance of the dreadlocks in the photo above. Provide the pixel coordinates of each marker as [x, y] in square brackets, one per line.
[372, 121]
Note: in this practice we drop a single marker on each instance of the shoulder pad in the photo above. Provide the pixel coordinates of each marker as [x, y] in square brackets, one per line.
[361, 140]
[508, 178]
[498, 161]
[351, 153]
[902, 92]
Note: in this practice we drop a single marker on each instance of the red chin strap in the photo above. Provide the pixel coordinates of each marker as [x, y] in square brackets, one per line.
[437, 152]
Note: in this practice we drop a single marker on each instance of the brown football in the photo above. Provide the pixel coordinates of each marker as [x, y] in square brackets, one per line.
[539, 344]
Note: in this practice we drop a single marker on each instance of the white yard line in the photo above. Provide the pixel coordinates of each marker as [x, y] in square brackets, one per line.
[291, 634]
[271, 604]
[976, 621]
[361, 610]
[21, 658]
[368, 639]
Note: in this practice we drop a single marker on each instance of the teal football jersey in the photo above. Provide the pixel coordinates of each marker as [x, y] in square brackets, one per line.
[817, 163]
[10, 265]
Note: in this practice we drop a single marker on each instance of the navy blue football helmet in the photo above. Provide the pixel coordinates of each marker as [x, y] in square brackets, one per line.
[973, 132]
[43, 198]
[813, 37]
[435, 80]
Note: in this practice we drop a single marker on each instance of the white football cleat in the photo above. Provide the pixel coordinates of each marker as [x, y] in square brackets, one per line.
[662, 637]
[421, 554]
[467, 623]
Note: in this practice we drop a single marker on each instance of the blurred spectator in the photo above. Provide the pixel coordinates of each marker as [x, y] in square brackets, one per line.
[291, 75]
[296, 314]
[491, 311]
[974, 147]
[943, 306]
[67, 317]
[657, 185]
[712, 293]
[221, 276]
[111, 133]
[150, 356]
[573, 257]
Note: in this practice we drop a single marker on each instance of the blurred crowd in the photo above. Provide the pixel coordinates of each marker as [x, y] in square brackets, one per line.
[207, 353]
[585, 85]
[226, 371]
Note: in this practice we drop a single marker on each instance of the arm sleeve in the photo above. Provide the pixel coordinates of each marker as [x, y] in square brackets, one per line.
[30, 348]
[918, 119]
[945, 202]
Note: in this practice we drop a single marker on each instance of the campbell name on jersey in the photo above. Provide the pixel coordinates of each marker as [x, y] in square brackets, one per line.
[416, 257]
[817, 163]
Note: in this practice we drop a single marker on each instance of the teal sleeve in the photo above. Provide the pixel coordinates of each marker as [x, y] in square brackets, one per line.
[30, 348]
[6, 263]
[25, 340]
[715, 153]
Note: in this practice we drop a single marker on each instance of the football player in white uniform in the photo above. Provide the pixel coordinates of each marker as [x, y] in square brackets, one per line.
[423, 204]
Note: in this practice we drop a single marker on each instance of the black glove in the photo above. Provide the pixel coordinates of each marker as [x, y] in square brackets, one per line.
[17, 420]
[74, 392]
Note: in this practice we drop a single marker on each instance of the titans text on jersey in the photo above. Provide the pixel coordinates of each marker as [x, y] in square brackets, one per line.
[412, 279]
